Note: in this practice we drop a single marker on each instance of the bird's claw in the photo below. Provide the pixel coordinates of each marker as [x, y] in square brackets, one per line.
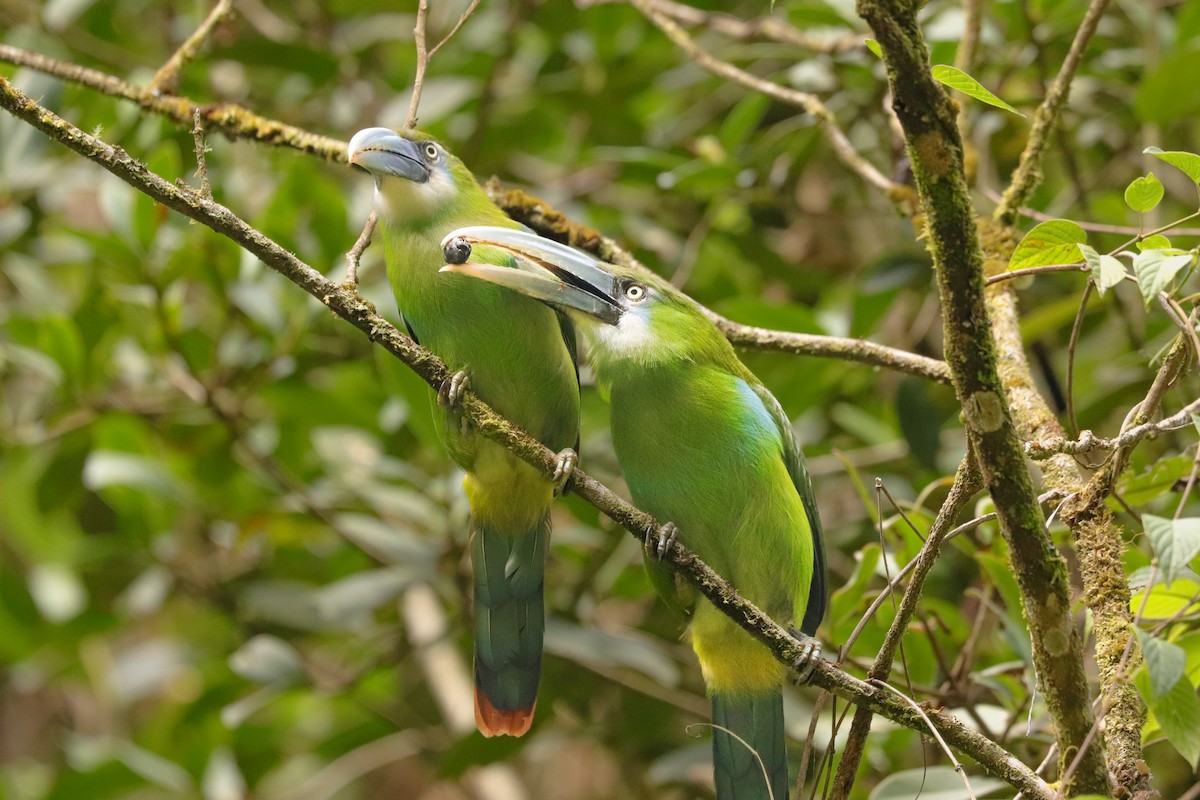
[810, 653]
[452, 390]
[659, 543]
[567, 461]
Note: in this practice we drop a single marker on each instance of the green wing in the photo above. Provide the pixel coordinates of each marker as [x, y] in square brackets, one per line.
[794, 459]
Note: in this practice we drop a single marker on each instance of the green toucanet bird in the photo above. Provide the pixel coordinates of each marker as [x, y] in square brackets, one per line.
[702, 443]
[518, 355]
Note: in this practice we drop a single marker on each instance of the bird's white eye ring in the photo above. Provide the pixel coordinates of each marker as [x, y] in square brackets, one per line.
[431, 151]
[635, 292]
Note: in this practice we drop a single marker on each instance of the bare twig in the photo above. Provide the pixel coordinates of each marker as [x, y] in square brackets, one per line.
[966, 483]
[1029, 169]
[201, 149]
[1089, 442]
[781, 642]
[808, 102]
[166, 80]
[1020, 273]
[410, 119]
[462, 19]
[770, 28]
[354, 255]
[949, 754]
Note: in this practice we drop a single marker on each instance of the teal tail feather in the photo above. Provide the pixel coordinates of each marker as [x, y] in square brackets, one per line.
[509, 624]
[758, 719]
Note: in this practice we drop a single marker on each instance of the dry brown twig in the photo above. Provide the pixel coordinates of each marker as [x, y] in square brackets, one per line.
[166, 80]
[810, 103]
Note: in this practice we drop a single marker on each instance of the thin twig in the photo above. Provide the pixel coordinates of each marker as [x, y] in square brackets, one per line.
[201, 149]
[354, 255]
[1029, 169]
[967, 483]
[166, 80]
[1092, 227]
[949, 754]
[462, 19]
[1020, 273]
[769, 28]
[410, 119]
[803, 100]
[1088, 442]
[1076, 330]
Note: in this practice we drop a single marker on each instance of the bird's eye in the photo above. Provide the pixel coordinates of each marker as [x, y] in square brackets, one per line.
[431, 151]
[635, 292]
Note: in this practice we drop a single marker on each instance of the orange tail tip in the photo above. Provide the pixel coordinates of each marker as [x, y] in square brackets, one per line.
[491, 721]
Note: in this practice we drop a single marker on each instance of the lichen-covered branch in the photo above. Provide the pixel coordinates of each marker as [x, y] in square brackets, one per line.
[935, 150]
[358, 312]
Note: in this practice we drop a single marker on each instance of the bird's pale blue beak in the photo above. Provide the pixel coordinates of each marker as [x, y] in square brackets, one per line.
[546, 270]
[383, 152]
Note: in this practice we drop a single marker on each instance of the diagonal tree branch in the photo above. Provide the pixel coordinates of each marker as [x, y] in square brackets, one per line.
[782, 643]
[935, 149]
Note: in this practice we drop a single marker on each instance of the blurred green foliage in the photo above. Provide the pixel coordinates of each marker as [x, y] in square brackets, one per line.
[225, 519]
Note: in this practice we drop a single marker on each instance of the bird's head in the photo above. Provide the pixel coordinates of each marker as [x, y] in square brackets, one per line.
[415, 176]
[627, 315]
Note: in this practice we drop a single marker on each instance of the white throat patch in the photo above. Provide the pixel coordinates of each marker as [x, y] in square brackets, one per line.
[398, 197]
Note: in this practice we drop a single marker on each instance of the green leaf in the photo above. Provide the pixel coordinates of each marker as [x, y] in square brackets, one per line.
[1188, 162]
[1166, 600]
[1178, 713]
[1175, 542]
[1107, 271]
[960, 81]
[1053, 242]
[1154, 242]
[874, 47]
[1155, 270]
[1165, 662]
[1144, 194]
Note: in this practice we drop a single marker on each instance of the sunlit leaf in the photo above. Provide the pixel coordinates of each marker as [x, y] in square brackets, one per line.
[1188, 163]
[1175, 542]
[1178, 713]
[1053, 242]
[1107, 271]
[1143, 194]
[1155, 270]
[960, 81]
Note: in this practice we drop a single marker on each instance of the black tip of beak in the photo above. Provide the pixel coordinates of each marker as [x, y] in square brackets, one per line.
[457, 251]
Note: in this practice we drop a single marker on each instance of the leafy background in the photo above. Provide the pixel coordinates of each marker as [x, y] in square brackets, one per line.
[227, 526]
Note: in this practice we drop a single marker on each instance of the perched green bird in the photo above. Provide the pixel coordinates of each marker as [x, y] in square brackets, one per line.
[703, 443]
[518, 355]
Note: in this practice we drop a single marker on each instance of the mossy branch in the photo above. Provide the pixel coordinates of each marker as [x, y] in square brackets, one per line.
[347, 305]
[928, 118]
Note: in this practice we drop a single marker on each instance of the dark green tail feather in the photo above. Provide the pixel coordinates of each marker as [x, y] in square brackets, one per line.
[509, 623]
[758, 719]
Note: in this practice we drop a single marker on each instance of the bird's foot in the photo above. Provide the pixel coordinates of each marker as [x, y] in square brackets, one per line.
[810, 653]
[567, 461]
[450, 393]
[659, 543]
